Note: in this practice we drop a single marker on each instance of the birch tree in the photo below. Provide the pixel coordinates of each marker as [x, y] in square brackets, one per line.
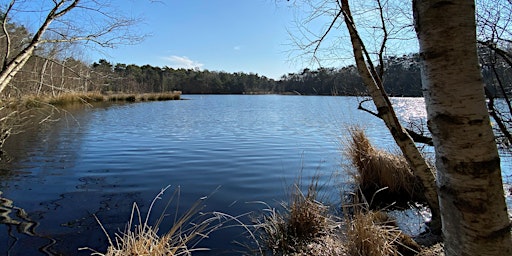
[63, 21]
[372, 76]
[373, 82]
[473, 210]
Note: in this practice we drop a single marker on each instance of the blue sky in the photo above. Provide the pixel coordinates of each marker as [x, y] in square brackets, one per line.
[220, 35]
[232, 35]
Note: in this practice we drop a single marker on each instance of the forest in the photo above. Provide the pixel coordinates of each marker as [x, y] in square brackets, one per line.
[46, 75]
[54, 68]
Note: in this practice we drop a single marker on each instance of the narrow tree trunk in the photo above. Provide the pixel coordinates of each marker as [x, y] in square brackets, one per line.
[11, 68]
[7, 74]
[473, 209]
[41, 77]
[420, 167]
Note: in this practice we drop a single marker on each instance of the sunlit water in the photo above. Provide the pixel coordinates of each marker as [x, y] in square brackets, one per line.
[238, 150]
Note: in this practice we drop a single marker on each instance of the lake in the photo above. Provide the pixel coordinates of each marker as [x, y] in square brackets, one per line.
[236, 149]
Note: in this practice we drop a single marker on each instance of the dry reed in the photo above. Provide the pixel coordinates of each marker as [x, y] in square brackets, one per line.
[304, 224]
[380, 171]
[64, 99]
[71, 98]
[373, 233]
[181, 239]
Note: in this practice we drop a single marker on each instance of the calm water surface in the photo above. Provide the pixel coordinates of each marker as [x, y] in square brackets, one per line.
[242, 149]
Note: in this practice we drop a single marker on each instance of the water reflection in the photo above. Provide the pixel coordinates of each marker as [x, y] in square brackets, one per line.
[101, 160]
[13, 216]
[19, 223]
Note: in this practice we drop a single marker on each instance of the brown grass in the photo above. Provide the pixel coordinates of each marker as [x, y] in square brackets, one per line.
[72, 98]
[382, 172]
[303, 224]
[65, 99]
[306, 227]
[373, 233]
[176, 95]
[181, 239]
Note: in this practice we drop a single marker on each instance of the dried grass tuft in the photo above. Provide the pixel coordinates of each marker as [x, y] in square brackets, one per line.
[300, 227]
[380, 171]
[181, 239]
[365, 235]
[375, 233]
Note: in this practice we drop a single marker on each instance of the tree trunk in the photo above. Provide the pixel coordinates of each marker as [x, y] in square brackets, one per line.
[473, 209]
[11, 68]
[416, 161]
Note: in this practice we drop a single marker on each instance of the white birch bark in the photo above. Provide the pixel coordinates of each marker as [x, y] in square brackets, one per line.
[417, 162]
[473, 210]
[11, 68]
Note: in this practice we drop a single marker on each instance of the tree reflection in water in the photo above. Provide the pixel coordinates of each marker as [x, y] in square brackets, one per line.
[16, 217]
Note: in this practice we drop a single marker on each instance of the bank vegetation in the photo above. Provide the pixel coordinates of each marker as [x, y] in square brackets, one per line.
[305, 223]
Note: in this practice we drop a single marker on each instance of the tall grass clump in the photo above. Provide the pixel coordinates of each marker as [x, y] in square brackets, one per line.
[380, 171]
[374, 233]
[308, 227]
[141, 238]
[303, 223]
[64, 99]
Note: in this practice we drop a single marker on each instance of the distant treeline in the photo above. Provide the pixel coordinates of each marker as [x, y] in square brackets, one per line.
[402, 77]
[45, 76]
[51, 71]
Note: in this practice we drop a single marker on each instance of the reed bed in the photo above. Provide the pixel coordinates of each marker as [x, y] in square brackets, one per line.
[175, 95]
[65, 99]
[72, 98]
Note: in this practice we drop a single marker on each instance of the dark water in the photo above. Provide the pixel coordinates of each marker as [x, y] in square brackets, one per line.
[242, 149]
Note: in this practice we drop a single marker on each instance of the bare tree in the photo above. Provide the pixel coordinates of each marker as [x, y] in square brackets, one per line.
[372, 76]
[494, 33]
[63, 21]
[38, 57]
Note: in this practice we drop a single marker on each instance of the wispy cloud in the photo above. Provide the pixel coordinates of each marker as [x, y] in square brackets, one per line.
[237, 48]
[182, 62]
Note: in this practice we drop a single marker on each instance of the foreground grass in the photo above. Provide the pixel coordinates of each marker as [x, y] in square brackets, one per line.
[302, 222]
[306, 226]
[182, 238]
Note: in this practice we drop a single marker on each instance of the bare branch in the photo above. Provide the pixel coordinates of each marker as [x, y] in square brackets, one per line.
[59, 27]
[322, 38]
[380, 72]
[417, 137]
[6, 33]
